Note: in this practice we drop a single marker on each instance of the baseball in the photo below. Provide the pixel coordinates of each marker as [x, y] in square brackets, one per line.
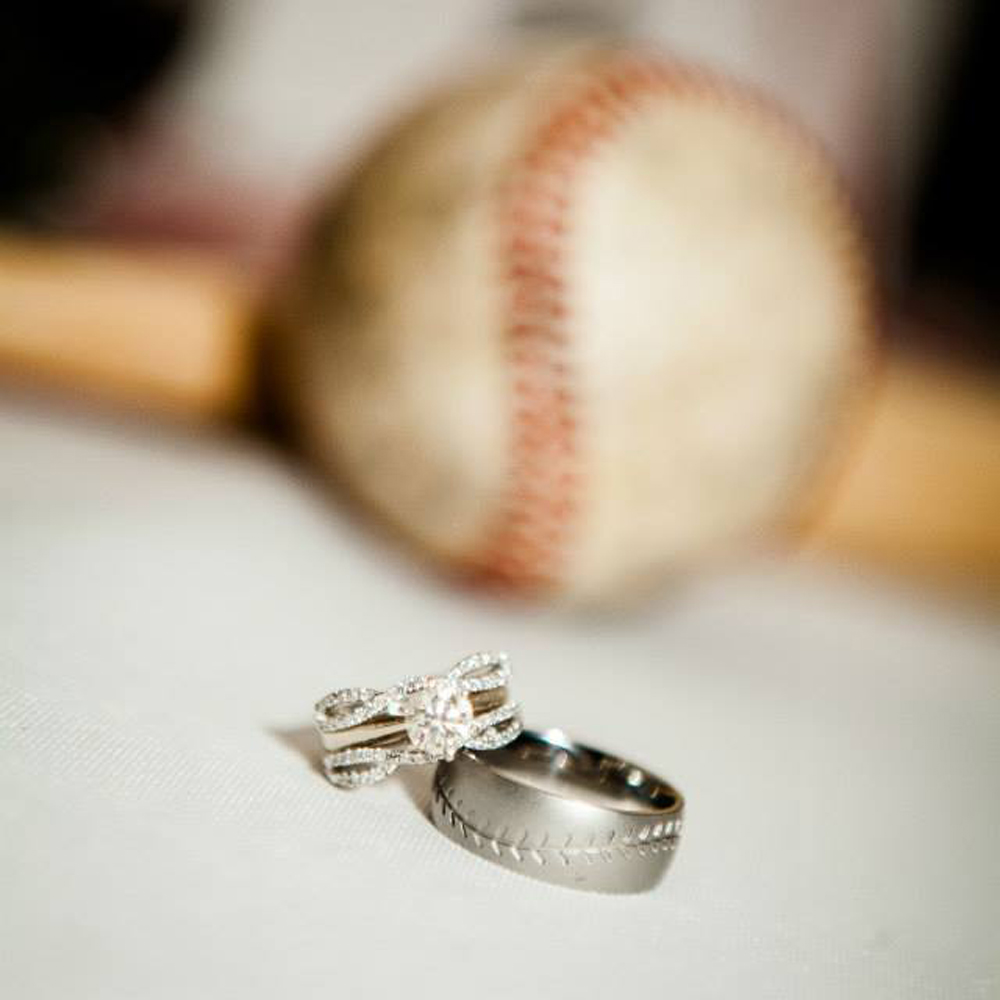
[580, 324]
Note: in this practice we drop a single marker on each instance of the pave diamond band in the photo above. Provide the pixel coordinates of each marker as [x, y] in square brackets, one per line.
[560, 812]
[369, 733]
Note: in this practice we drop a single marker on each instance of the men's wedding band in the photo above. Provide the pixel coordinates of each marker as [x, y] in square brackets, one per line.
[561, 812]
[369, 733]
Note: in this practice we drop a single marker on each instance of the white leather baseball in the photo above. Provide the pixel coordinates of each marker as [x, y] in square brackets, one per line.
[580, 323]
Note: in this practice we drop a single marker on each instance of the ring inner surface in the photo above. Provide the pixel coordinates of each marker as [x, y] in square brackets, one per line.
[576, 772]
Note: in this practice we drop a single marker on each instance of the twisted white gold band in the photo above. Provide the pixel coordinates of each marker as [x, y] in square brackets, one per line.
[369, 733]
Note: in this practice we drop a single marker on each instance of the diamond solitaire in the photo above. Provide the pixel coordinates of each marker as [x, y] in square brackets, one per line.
[369, 733]
[439, 718]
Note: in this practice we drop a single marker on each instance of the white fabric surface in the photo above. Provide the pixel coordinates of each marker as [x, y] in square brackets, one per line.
[169, 610]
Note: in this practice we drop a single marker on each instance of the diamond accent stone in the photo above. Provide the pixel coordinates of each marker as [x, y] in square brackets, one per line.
[504, 727]
[437, 712]
[348, 707]
[359, 766]
[481, 672]
[439, 718]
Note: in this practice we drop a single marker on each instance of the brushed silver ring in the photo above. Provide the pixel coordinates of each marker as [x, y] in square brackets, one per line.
[367, 734]
[561, 812]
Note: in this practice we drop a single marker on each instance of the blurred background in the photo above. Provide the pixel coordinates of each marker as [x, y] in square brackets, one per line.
[212, 122]
[164, 159]
[295, 395]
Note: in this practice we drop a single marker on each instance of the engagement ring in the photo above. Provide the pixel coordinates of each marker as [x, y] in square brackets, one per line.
[369, 733]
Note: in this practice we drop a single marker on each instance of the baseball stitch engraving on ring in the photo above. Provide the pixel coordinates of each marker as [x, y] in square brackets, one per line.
[638, 842]
[423, 719]
[526, 549]
[560, 812]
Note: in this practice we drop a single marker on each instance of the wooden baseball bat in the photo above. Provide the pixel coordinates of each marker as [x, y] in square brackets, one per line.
[162, 331]
[175, 333]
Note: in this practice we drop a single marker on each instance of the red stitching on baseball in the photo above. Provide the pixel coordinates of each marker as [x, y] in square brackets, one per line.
[526, 551]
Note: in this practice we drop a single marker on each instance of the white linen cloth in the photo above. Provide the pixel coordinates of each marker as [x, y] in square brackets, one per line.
[170, 608]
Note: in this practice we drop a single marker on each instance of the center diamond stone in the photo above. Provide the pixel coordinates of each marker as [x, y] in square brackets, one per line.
[439, 718]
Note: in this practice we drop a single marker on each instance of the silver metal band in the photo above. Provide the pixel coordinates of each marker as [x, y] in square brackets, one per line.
[368, 733]
[561, 812]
